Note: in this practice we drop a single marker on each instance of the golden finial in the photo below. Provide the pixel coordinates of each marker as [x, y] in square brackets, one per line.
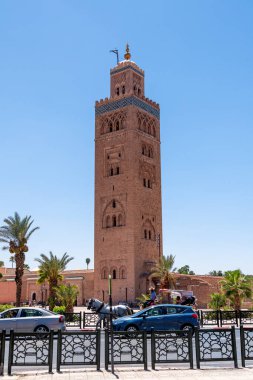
[127, 56]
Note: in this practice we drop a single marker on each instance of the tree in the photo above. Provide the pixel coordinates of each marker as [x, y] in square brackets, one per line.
[26, 266]
[185, 270]
[218, 301]
[216, 273]
[50, 269]
[16, 233]
[12, 260]
[1, 264]
[87, 262]
[236, 286]
[67, 294]
[162, 271]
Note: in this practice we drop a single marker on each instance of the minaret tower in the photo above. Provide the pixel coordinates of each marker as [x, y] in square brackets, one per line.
[128, 206]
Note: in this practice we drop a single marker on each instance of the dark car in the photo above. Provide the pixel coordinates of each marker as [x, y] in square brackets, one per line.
[159, 317]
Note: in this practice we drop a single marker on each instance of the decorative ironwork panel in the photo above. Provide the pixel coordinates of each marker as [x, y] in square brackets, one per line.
[31, 350]
[132, 100]
[246, 317]
[73, 319]
[90, 319]
[79, 348]
[128, 347]
[228, 317]
[215, 345]
[209, 318]
[171, 347]
[248, 344]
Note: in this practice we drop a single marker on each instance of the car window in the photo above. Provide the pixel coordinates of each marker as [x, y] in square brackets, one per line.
[10, 313]
[171, 310]
[31, 313]
[154, 311]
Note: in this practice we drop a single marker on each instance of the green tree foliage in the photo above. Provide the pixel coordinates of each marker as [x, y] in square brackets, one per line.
[216, 273]
[67, 295]
[15, 235]
[162, 271]
[1, 264]
[236, 287]
[50, 269]
[218, 301]
[87, 262]
[185, 270]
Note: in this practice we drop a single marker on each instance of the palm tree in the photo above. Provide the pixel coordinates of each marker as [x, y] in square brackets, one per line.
[50, 269]
[16, 233]
[87, 262]
[12, 260]
[67, 295]
[218, 301]
[162, 271]
[236, 286]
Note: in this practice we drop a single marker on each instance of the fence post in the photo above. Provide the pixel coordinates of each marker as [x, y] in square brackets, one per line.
[11, 345]
[237, 315]
[83, 319]
[51, 350]
[145, 359]
[152, 348]
[98, 341]
[201, 318]
[242, 339]
[59, 351]
[234, 346]
[197, 347]
[190, 335]
[219, 317]
[106, 349]
[2, 353]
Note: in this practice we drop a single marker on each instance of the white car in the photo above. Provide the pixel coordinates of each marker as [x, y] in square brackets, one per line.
[29, 319]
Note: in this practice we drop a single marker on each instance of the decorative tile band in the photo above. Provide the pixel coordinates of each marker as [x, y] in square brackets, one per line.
[125, 68]
[132, 100]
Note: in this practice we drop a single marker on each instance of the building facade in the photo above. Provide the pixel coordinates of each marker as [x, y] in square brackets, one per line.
[128, 209]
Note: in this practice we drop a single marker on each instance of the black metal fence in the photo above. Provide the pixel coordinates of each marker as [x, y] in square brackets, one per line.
[30, 349]
[125, 348]
[79, 348]
[83, 348]
[225, 317]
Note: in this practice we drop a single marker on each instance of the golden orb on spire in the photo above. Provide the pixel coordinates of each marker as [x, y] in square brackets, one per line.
[127, 56]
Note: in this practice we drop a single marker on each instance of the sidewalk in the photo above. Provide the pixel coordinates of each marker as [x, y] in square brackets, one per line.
[126, 374]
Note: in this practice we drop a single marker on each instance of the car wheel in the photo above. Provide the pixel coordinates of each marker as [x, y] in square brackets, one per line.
[42, 330]
[132, 328]
[188, 327]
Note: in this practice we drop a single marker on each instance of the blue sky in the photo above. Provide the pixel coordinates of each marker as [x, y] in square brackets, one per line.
[198, 60]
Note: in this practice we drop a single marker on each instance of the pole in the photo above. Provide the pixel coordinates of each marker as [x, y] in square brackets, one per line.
[110, 304]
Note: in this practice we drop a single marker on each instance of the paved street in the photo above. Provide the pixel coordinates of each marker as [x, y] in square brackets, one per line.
[134, 373]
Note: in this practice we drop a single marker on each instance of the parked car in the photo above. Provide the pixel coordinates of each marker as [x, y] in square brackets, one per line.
[29, 319]
[159, 317]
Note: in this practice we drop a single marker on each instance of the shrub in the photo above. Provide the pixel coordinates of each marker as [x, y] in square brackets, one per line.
[59, 309]
[5, 307]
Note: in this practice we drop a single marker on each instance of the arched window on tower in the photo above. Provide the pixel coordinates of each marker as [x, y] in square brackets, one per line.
[113, 203]
[114, 221]
[149, 235]
[114, 274]
[111, 171]
[117, 170]
[139, 92]
[117, 90]
[117, 125]
[145, 234]
[123, 90]
[108, 221]
[120, 220]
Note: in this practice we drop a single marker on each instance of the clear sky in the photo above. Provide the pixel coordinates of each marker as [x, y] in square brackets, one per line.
[198, 62]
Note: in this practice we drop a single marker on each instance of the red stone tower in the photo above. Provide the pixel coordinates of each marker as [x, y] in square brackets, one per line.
[128, 208]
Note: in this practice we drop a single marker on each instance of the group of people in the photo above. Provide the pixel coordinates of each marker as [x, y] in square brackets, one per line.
[179, 301]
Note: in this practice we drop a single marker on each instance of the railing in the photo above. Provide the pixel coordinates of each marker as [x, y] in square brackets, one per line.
[83, 348]
[73, 319]
[225, 317]
[30, 349]
[79, 348]
[215, 345]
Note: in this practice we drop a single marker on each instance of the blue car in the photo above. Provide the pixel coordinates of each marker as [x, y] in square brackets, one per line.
[159, 317]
